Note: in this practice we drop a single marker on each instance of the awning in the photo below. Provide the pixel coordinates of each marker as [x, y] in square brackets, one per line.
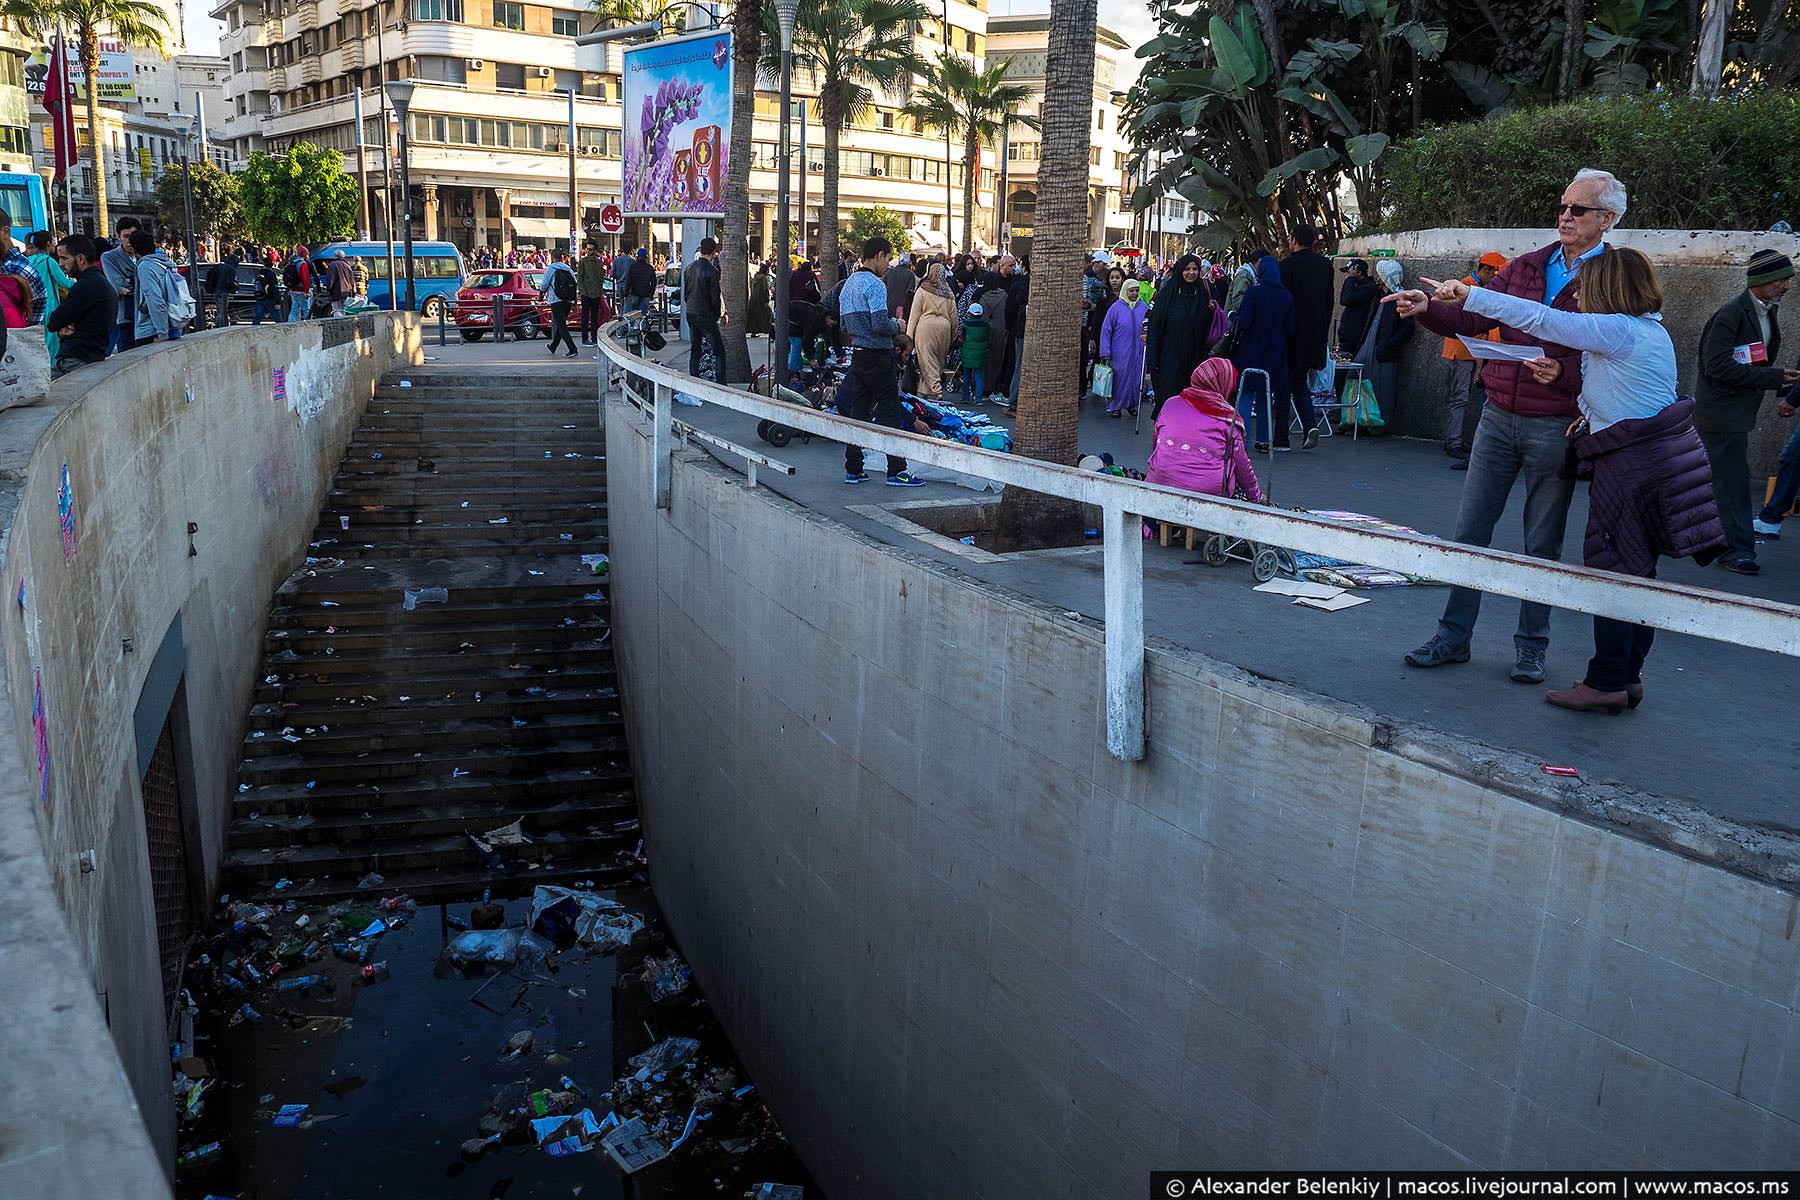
[540, 227]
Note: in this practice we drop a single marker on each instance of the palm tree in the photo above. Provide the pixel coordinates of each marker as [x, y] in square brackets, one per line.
[734, 267]
[977, 105]
[850, 47]
[133, 22]
[1050, 379]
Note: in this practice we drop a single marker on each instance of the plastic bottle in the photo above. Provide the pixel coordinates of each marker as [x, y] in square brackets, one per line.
[200, 1153]
[235, 984]
[246, 1013]
[374, 971]
[302, 983]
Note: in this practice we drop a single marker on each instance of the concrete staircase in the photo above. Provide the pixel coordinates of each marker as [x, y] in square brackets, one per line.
[380, 738]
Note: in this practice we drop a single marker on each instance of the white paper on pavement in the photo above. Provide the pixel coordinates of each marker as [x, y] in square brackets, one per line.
[1500, 351]
[1299, 587]
[1331, 603]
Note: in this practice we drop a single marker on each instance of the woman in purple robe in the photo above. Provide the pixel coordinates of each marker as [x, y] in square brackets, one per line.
[1122, 346]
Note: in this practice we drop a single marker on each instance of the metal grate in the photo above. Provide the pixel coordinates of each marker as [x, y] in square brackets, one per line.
[168, 859]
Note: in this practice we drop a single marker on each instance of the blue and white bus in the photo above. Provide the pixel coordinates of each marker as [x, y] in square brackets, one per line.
[437, 272]
[22, 199]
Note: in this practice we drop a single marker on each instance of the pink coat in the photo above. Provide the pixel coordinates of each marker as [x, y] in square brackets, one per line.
[1200, 439]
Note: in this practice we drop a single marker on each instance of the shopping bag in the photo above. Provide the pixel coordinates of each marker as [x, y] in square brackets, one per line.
[1360, 406]
[1103, 380]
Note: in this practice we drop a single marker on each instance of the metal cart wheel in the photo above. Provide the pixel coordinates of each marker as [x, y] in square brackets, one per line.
[1264, 565]
[762, 430]
[1214, 550]
[779, 436]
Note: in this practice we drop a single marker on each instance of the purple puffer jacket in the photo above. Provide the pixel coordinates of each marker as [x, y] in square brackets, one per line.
[1651, 494]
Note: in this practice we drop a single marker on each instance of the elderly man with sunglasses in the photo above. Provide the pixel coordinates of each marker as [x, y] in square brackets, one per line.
[1524, 429]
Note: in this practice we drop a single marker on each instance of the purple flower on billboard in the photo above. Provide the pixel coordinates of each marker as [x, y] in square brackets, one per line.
[651, 182]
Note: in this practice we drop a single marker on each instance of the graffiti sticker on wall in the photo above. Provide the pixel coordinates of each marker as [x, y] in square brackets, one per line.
[278, 381]
[40, 733]
[65, 511]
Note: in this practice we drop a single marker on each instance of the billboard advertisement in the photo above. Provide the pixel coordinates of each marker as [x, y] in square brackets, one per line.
[118, 78]
[677, 136]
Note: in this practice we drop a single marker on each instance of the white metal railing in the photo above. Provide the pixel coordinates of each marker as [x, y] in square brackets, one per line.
[1699, 612]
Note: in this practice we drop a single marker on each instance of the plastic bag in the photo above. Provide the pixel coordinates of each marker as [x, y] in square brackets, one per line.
[1360, 406]
[665, 977]
[594, 920]
[1103, 380]
[663, 1057]
[495, 947]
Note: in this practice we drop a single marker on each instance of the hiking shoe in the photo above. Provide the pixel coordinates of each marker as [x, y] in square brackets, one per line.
[904, 479]
[1767, 529]
[858, 477]
[1528, 666]
[1438, 653]
[1311, 439]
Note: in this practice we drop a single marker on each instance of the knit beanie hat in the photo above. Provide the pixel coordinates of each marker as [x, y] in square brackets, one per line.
[1768, 266]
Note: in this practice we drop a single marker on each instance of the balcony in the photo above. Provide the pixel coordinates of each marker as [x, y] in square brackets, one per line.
[350, 56]
[306, 17]
[309, 69]
[278, 80]
[246, 83]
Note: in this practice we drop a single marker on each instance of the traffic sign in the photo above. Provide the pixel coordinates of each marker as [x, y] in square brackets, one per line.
[611, 219]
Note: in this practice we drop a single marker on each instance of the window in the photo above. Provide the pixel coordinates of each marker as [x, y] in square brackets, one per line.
[508, 15]
[1100, 119]
[568, 81]
[446, 70]
[1094, 155]
[509, 75]
[564, 24]
[438, 10]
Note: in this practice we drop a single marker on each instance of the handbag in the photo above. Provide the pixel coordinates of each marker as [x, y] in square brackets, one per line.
[1229, 345]
[1360, 406]
[1103, 380]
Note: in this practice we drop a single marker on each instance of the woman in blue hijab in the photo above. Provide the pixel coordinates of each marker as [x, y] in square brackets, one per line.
[1265, 324]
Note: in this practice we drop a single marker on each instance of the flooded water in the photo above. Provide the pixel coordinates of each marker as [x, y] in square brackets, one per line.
[418, 1083]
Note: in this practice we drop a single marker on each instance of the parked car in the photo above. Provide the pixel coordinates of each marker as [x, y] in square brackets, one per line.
[525, 315]
[437, 271]
[242, 304]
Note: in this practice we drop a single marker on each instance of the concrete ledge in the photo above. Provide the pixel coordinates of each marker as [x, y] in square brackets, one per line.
[236, 432]
[968, 953]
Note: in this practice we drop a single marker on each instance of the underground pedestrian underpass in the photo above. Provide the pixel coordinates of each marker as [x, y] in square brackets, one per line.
[955, 945]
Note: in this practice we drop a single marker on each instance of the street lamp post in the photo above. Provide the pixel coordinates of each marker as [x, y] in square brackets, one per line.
[188, 138]
[784, 14]
[400, 94]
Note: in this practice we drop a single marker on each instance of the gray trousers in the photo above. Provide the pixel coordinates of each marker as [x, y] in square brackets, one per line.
[1506, 447]
[1459, 428]
[1730, 455]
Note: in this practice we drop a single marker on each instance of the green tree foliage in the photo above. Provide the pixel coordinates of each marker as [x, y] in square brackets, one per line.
[216, 208]
[1262, 112]
[973, 104]
[1689, 164]
[879, 221]
[302, 197]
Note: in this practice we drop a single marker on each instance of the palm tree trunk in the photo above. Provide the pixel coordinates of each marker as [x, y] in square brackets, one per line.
[971, 171]
[1050, 380]
[90, 64]
[1574, 35]
[831, 113]
[734, 264]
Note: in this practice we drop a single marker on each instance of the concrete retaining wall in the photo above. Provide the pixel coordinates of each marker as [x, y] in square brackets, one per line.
[965, 953]
[1701, 270]
[151, 441]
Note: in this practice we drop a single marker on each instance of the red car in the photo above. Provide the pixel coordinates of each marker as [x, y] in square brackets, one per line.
[525, 315]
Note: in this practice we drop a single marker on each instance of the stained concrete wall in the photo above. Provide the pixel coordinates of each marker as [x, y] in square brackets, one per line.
[1701, 270]
[152, 440]
[966, 953]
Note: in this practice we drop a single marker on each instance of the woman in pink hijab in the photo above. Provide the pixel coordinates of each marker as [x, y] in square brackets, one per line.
[1200, 438]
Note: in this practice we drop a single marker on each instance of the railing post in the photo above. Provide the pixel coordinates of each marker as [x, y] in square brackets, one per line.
[662, 444]
[1123, 552]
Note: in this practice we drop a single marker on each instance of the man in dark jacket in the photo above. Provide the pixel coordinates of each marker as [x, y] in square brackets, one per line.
[1358, 299]
[640, 282]
[83, 322]
[1738, 356]
[703, 308]
[1524, 430]
[1307, 276]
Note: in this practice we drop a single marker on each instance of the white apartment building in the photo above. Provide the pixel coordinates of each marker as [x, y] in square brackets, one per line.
[1024, 41]
[490, 116]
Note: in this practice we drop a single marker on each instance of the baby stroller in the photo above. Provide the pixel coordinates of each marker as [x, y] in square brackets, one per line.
[1219, 548]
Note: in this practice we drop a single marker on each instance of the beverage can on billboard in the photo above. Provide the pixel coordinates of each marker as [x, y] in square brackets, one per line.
[677, 105]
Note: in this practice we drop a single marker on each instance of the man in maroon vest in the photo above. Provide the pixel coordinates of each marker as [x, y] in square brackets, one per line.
[1524, 428]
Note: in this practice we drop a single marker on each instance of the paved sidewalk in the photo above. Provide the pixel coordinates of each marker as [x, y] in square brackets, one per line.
[1700, 735]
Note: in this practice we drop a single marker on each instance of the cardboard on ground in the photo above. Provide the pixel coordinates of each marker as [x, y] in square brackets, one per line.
[1331, 603]
[1299, 587]
[1500, 351]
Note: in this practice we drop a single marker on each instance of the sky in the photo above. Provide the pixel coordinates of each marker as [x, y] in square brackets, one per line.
[1131, 18]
